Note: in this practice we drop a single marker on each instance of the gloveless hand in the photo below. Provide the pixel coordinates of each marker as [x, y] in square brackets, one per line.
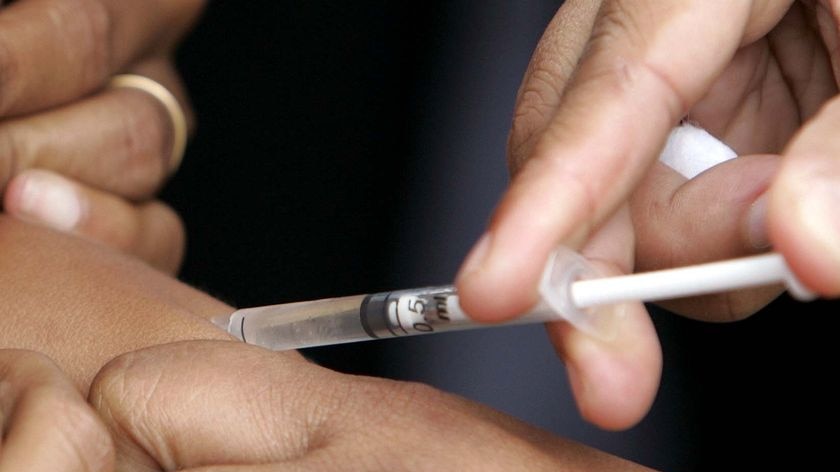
[225, 406]
[77, 155]
[606, 84]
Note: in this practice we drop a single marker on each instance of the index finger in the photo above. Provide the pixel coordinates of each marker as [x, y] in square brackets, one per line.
[646, 63]
[53, 51]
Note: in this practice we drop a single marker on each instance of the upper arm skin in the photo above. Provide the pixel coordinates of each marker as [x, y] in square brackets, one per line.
[83, 304]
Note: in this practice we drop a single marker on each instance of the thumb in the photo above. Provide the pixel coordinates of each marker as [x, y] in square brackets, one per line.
[194, 404]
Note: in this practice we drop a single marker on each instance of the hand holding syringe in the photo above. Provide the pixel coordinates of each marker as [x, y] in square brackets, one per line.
[569, 292]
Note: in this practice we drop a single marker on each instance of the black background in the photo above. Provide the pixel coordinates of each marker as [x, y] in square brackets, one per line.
[291, 191]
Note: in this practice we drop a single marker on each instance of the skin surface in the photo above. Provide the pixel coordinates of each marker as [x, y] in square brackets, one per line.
[210, 405]
[607, 82]
[82, 304]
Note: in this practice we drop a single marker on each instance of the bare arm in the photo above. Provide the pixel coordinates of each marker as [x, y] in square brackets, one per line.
[199, 403]
[82, 304]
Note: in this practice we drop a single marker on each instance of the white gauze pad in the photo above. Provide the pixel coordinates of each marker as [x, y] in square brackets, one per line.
[691, 150]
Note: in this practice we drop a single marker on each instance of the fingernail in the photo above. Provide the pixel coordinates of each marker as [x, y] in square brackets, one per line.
[476, 257]
[606, 321]
[757, 224]
[49, 200]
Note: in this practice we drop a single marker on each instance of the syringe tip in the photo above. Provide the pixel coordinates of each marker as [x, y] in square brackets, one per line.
[222, 321]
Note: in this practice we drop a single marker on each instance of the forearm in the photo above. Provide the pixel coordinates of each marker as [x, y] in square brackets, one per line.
[83, 304]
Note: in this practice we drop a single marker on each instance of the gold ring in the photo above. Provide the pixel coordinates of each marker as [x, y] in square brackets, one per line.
[169, 102]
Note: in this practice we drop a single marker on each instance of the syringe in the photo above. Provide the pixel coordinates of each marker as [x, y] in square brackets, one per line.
[569, 292]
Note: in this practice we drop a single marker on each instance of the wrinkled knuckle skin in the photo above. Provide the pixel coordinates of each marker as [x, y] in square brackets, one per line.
[619, 23]
[614, 18]
[533, 112]
[111, 385]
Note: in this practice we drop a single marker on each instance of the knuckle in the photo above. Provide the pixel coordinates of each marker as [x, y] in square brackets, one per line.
[618, 32]
[539, 96]
[144, 142]
[550, 70]
[91, 22]
[619, 18]
[127, 394]
[114, 386]
[139, 382]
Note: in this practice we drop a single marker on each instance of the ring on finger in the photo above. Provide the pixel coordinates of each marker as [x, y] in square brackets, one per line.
[169, 102]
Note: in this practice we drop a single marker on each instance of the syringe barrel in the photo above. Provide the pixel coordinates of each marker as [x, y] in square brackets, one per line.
[566, 294]
[357, 318]
[297, 325]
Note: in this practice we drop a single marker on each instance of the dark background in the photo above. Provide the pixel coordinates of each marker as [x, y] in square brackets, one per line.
[352, 147]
